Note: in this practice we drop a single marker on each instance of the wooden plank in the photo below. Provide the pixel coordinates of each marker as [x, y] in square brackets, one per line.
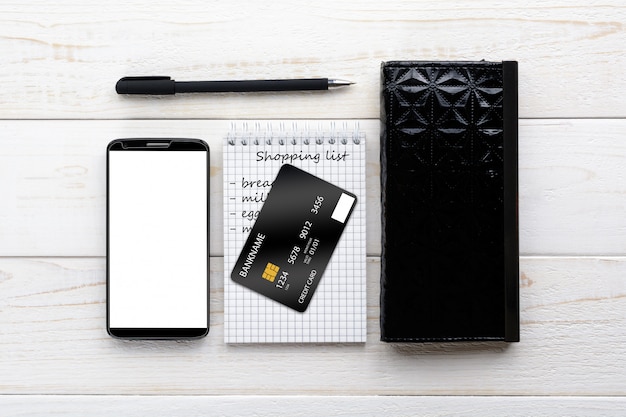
[322, 406]
[53, 184]
[53, 341]
[62, 59]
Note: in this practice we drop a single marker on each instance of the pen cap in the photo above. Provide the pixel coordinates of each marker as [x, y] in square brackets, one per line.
[146, 85]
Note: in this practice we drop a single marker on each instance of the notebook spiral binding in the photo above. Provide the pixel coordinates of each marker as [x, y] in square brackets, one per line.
[268, 133]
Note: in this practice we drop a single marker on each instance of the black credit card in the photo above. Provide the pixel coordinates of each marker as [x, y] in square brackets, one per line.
[294, 237]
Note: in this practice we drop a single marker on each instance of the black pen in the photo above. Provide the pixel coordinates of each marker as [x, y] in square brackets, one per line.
[165, 85]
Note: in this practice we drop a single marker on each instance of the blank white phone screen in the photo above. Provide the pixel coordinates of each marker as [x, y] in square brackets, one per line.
[158, 260]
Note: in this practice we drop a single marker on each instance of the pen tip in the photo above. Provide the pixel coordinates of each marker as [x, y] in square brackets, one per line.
[339, 83]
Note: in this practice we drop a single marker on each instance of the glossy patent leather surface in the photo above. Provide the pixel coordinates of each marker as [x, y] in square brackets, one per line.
[450, 256]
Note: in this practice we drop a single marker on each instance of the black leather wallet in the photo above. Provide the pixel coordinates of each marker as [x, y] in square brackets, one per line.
[450, 251]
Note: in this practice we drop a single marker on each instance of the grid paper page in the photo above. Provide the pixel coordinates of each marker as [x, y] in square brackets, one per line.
[253, 154]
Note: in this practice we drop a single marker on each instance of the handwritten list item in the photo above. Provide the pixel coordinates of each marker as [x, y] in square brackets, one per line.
[337, 312]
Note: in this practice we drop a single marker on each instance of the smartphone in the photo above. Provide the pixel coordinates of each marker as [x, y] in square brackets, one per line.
[157, 238]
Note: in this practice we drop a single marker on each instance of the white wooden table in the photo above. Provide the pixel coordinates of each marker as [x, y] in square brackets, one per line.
[60, 61]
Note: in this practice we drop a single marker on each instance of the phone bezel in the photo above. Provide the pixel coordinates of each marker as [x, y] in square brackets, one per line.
[157, 145]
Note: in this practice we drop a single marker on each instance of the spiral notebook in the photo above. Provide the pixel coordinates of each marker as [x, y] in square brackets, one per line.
[253, 154]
